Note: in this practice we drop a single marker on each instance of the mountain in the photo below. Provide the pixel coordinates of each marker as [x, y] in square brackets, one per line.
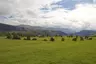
[65, 30]
[31, 29]
[43, 30]
[52, 31]
[86, 32]
[6, 27]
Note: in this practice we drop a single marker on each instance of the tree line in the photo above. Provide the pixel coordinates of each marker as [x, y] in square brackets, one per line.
[18, 36]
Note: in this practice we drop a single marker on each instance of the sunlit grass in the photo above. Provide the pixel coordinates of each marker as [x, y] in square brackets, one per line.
[46, 52]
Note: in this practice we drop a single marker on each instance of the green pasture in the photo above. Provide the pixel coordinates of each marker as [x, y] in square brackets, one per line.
[47, 52]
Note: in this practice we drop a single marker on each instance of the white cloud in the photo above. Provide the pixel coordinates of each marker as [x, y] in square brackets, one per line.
[28, 12]
[83, 17]
[85, 13]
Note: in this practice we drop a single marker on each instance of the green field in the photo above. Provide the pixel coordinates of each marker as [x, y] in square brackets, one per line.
[46, 52]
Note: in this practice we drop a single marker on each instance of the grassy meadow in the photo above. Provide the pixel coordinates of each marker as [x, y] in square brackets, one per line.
[47, 52]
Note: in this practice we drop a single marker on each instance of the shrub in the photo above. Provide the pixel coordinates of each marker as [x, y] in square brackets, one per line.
[34, 39]
[81, 39]
[89, 38]
[52, 39]
[74, 39]
[45, 40]
[28, 38]
[9, 36]
[86, 37]
[77, 36]
[62, 39]
[16, 37]
[25, 39]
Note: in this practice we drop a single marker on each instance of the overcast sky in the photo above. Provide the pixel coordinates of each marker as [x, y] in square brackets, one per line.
[73, 14]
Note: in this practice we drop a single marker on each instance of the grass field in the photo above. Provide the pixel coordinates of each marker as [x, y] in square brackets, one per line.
[41, 52]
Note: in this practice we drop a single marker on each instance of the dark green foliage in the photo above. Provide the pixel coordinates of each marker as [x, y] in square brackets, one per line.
[40, 36]
[74, 39]
[9, 36]
[56, 35]
[52, 39]
[3, 33]
[90, 38]
[81, 39]
[34, 38]
[45, 40]
[16, 36]
[77, 36]
[28, 38]
[86, 37]
[71, 35]
[62, 39]
[25, 39]
[13, 36]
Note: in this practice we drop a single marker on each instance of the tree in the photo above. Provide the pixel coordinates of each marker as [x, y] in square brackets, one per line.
[45, 40]
[74, 39]
[28, 38]
[90, 38]
[81, 39]
[52, 39]
[34, 39]
[9, 36]
[62, 39]
[16, 36]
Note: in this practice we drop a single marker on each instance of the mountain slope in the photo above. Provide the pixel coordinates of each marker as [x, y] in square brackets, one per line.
[31, 29]
[86, 32]
[5, 27]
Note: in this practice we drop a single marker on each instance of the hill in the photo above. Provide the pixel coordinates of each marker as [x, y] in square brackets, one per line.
[36, 30]
[86, 32]
[5, 27]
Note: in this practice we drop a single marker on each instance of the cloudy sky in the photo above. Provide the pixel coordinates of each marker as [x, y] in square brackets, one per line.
[73, 14]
